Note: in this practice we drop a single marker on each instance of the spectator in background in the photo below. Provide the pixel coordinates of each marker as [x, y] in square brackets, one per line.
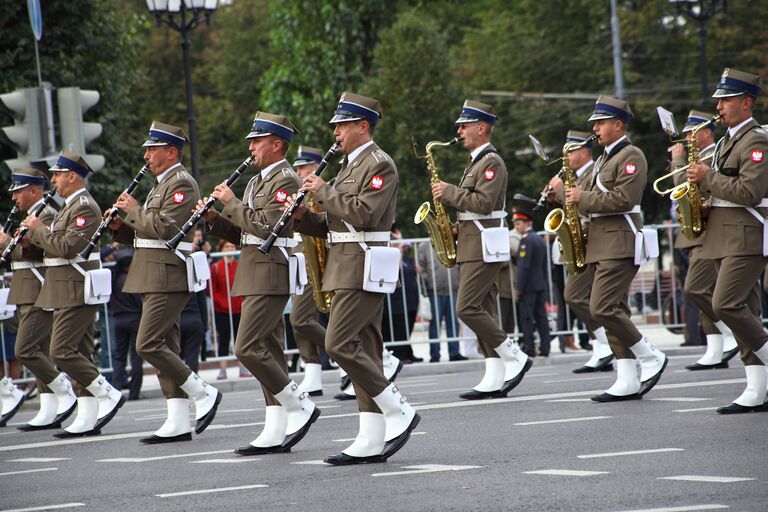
[104, 348]
[440, 285]
[194, 316]
[508, 307]
[531, 284]
[226, 308]
[401, 305]
[126, 314]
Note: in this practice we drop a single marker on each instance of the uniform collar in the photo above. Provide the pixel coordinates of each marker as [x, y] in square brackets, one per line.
[167, 172]
[733, 131]
[73, 196]
[479, 150]
[265, 171]
[358, 151]
[34, 206]
[711, 147]
[613, 144]
[581, 170]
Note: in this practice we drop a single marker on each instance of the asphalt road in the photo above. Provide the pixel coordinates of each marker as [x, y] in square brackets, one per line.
[545, 448]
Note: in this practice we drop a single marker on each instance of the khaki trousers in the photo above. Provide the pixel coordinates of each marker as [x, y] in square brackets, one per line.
[353, 339]
[608, 304]
[476, 303]
[33, 344]
[158, 343]
[72, 331]
[305, 320]
[578, 289]
[699, 287]
[260, 342]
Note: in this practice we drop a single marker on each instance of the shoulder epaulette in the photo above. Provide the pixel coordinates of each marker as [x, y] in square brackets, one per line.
[84, 200]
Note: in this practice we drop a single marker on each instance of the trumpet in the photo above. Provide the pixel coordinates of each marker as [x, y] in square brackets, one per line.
[672, 174]
[85, 253]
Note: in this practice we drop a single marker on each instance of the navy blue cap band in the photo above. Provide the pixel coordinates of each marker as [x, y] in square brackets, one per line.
[301, 155]
[355, 110]
[263, 127]
[604, 108]
[20, 180]
[65, 163]
[167, 138]
[579, 139]
[737, 85]
[473, 113]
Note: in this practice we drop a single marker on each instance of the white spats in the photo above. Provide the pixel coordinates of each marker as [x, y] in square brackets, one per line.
[10, 395]
[202, 394]
[109, 398]
[651, 359]
[87, 414]
[298, 407]
[391, 365]
[514, 359]
[714, 352]
[177, 422]
[757, 383]
[62, 388]
[370, 439]
[47, 412]
[398, 413]
[493, 378]
[275, 423]
[627, 383]
[762, 353]
[313, 378]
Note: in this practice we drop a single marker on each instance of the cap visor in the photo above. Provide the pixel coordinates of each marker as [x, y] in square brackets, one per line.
[343, 118]
[462, 120]
[726, 93]
[18, 187]
[303, 162]
[256, 135]
[154, 143]
[598, 116]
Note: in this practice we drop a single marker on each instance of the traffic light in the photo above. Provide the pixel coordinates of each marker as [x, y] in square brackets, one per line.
[76, 134]
[32, 132]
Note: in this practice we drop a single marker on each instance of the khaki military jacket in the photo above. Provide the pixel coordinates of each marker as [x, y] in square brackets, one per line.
[741, 176]
[482, 190]
[25, 286]
[257, 214]
[168, 206]
[69, 233]
[624, 174]
[364, 195]
[681, 242]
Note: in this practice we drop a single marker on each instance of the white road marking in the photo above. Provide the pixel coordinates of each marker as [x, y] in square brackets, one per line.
[311, 462]
[39, 459]
[632, 452]
[687, 508]
[703, 478]
[24, 471]
[564, 420]
[565, 472]
[163, 457]
[426, 468]
[225, 461]
[208, 491]
[139, 411]
[578, 379]
[697, 409]
[350, 439]
[44, 507]
[679, 399]
[571, 400]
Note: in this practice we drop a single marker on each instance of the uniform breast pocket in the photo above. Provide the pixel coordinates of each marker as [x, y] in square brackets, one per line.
[155, 203]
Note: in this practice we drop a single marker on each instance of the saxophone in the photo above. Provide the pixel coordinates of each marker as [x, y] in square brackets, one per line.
[688, 195]
[438, 222]
[566, 223]
[315, 256]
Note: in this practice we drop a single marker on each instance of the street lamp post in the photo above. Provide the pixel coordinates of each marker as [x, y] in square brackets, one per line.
[183, 17]
[701, 11]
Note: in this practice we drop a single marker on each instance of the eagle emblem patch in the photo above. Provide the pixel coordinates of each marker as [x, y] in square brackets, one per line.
[377, 182]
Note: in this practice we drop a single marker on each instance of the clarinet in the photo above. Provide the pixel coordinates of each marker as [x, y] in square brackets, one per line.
[85, 253]
[288, 213]
[6, 256]
[10, 221]
[174, 242]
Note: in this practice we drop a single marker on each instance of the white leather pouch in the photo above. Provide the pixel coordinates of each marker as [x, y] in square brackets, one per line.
[382, 268]
[495, 244]
[98, 286]
[6, 310]
[297, 274]
[198, 271]
[646, 246]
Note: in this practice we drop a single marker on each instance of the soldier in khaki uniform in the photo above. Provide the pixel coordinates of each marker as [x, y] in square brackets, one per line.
[57, 400]
[613, 204]
[736, 237]
[73, 322]
[305, 317]
[578, 287]
[480, 199]
[160, 276]
[359, 211]
[263, 281]
[702, 273]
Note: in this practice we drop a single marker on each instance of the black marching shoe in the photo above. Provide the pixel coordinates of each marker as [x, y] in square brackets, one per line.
[66, 414]
[32, 428]
[392, 446]
[697, 366]
[735, 408]
[605, 364]
[342, 459]
[345, 382]
[69, 435]
[474, 394]
[728, 355]
[514, 381]
[153, 439]
[206, 420]
[607, 397]
[594, 369]
[106, 419]
[249, 449]
[344, 396]
[648, 384]
[458, 357]
[317, 392]
[10, 414]
[297, 436]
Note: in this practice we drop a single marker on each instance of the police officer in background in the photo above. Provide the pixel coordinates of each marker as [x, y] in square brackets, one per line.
[359, 211]
[57, 400]
[613, 204]
[160, 276]
[263, 281]
[702, 273]
[73, 321]
[736, 237]
[480, 199]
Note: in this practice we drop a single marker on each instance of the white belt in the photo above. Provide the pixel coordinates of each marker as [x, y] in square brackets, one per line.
[60, 262]
[635, 209]
[23, 265]
[497, 214]
[146, 243]
[722, 203]
[248, 239]
[339, 237]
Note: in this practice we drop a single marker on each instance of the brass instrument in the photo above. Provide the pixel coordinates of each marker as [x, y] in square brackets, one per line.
[687, 195]
[566, 223]
[438, 222]
[315, 257]
[671, 174]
